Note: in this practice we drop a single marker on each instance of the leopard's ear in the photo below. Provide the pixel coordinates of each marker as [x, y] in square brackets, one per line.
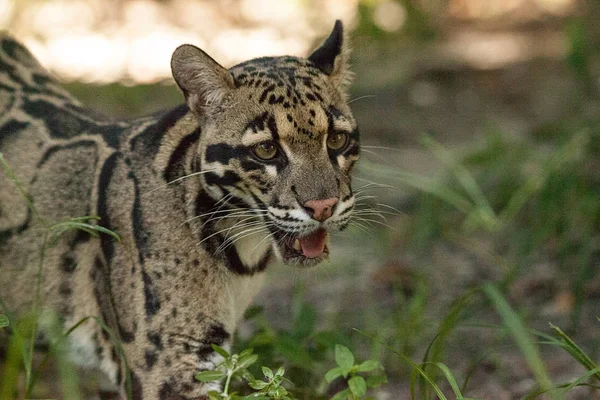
[333, 57]
[203, 81]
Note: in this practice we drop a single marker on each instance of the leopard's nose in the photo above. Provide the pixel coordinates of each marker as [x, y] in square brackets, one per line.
[320, 210]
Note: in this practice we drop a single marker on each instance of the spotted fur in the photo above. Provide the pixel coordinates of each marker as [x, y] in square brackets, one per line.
[199, 213]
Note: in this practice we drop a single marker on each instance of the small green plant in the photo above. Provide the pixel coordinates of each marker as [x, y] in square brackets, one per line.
[235, 367]
[352, 373]
[271, 388]
[3, 321]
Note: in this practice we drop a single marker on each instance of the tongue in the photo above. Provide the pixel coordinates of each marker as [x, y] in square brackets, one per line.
[313, 244]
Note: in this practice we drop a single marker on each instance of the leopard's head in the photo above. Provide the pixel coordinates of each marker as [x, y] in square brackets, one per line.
[278, 143]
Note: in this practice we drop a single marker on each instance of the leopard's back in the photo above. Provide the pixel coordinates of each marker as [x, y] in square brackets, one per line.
[53, 147]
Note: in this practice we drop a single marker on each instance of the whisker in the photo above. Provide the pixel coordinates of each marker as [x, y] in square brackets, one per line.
[359, 198]
[238, 236]
[366, 96]
[231, 213]
[377, 222]
[221, 231]
[178, 180]
[379, 185]
[390, 207]
[375, 212]
[259, 243]
[383, 148]
[362, 228]
[362, 149]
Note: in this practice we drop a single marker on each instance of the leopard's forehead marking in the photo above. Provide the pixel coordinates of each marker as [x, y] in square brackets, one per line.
[298, 95]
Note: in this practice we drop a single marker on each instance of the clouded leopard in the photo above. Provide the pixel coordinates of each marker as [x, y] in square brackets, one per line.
[254, 166]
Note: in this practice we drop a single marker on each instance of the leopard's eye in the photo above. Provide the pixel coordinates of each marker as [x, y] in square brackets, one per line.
[337, 141]
[265, 150]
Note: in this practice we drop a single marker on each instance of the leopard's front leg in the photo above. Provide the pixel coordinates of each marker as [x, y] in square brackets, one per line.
[169, 317]
[164, 364]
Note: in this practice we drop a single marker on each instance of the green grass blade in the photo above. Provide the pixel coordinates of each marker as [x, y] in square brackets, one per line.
[576, 351]
[566, 387]
[415, 366]
[424, 375]
[451, 380]
[61, 227]
[11, 367]
[521, 336]
[579, 382]
[421, 183]
[535, 183]
[449, 322]
[465, 178]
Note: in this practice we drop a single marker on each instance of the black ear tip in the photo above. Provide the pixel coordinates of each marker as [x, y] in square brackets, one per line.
[337, 33]
[338, 26]
[324, 56]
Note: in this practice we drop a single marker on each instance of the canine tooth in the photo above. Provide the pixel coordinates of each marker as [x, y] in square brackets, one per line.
[296, 245]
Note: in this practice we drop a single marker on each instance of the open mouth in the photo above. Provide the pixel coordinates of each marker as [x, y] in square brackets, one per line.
[306, 250]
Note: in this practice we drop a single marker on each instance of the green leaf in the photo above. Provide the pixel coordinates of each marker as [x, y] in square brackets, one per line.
[220, 350]
[267, 372]
[280, 371]
[262, 339]
[246, 352]
[214, 395]
[247, 360]
[258, 385]
[332, 374]
[209, 376]
[358, 386]
[374, 381]
[3, 321]
[342, 395]
[369, 365]
[343, 356]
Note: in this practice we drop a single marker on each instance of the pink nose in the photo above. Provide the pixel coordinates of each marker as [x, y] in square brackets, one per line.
[321, 209]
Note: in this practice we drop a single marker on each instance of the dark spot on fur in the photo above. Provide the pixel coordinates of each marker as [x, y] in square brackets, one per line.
[175, 167]
[148, 142]
[67, 263]
[152, 302]
[65, 289]
[137, 390]
[151, 358]
[222, 153]
[229, 178]
[266, 92]
[12, 127]
[155, 339]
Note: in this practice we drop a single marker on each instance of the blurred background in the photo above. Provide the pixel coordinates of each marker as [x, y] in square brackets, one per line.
[481, 163]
